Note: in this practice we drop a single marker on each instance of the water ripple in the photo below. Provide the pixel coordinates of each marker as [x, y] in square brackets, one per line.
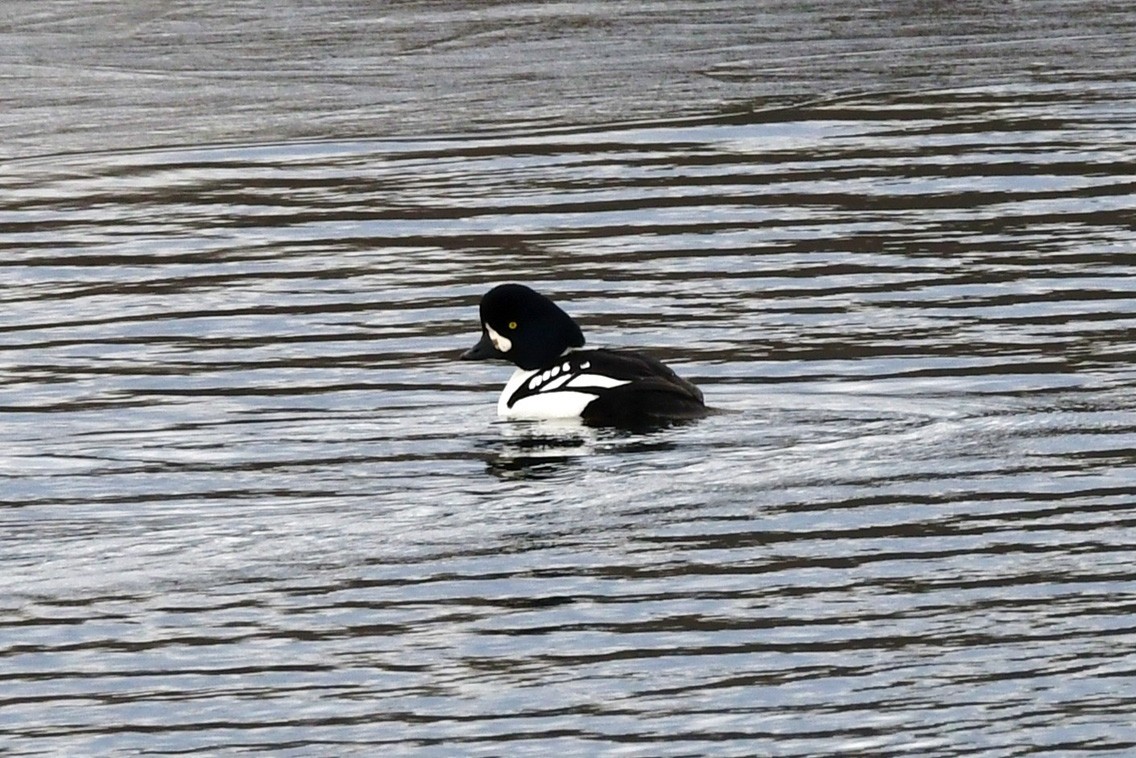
[250, 500]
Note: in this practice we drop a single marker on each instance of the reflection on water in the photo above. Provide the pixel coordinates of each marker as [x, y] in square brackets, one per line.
[549, 449]
[250, 500]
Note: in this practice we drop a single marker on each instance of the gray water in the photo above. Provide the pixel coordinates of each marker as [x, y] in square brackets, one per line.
[250, 500]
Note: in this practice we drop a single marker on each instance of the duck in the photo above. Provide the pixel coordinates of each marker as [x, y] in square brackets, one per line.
[555, 378]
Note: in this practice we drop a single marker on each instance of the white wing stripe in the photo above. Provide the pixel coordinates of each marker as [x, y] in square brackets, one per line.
[596, 380]
[556, 383]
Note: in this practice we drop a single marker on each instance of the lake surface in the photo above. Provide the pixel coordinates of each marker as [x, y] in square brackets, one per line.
[250, 500]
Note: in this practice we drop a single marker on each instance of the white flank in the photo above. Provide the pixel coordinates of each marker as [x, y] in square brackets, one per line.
[560, 404]
[519, 377]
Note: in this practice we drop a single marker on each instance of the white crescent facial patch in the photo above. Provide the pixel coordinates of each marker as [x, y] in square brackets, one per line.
[504, 344]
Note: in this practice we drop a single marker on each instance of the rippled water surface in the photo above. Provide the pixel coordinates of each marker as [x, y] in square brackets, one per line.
[250, 500]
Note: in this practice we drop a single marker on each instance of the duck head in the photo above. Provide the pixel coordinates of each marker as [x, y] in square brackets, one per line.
[524, 327]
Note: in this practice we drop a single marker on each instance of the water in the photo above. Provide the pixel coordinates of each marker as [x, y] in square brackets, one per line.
[250, 500]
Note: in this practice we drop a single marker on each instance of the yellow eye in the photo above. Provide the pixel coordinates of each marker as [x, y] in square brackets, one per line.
[512, 324]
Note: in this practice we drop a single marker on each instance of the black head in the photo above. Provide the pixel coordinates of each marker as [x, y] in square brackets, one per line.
[523, 326]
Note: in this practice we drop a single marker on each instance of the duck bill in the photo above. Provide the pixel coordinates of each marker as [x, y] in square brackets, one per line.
[483, 350]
